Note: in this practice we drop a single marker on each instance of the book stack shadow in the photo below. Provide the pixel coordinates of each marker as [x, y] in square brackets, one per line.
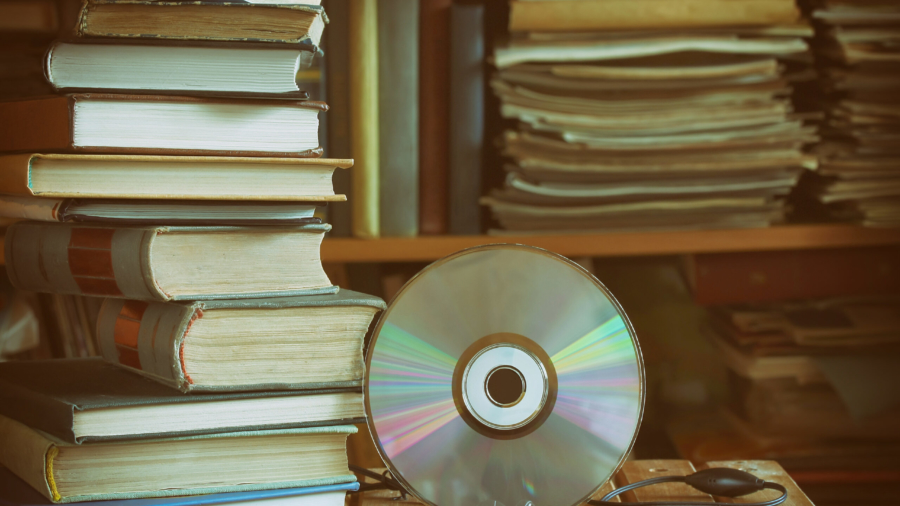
[177, 174]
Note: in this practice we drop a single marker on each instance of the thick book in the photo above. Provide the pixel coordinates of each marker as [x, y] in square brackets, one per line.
[597, 15]
[398, 117]
[467, 52]
[734, 278]
[155, 124]
[159, 263]
[249, 344]
[158, 212]
[228, 20]
[15, 492]
[89, 400]
[365, 209]
[434, 116]
[173, 68]
[216, 463]
[72, 175]
[337, 84]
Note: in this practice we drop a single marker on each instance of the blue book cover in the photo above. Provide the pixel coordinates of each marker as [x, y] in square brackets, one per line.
[15, 492]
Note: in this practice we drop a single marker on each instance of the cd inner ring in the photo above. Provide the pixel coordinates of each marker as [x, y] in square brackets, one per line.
[504, 386]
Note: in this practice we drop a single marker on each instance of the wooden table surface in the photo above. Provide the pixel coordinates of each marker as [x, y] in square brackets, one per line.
[638, 470]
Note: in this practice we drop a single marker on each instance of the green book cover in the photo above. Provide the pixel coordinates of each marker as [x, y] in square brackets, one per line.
[49, 395]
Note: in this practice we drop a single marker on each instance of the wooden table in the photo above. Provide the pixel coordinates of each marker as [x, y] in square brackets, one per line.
[643, 469]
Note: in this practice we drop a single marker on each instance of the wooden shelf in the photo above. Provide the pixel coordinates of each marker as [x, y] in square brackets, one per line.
[788, 237]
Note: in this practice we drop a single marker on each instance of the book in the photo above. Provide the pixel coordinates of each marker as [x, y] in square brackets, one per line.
[398, 117]
[166, 263]
[15, 492]
[467, 54]
[241, 461]
[170, 68]
[87, 400]
[73, 175]
[434, 116]
[364, 114]
[158, 212]
[32, 17]
[595, 15]
[153, 124]
[337, 72]
[231, 344]
[232, 20]
[734, 278]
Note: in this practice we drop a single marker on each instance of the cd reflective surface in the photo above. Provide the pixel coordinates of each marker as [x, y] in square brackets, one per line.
[504, 375]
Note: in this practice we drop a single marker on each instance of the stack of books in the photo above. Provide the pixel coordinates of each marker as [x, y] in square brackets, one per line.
[180, 183]
[638, 115]
[860, 59]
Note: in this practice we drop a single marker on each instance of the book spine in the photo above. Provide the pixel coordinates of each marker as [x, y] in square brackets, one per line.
[466, 116]
[575, 15]
[363, 23]
[38, 124]
[434, 116]
[147, 338]
[15, 174]
[733, 278]
[27, 208]
[35, 409]
[29, 456]
[337, 70]
[81, 260]
[398, 117]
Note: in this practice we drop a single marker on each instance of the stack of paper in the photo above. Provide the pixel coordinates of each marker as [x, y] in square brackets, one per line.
[676, 127]
[861, 52]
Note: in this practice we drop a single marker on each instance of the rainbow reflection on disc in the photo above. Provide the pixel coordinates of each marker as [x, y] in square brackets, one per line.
[504, 375]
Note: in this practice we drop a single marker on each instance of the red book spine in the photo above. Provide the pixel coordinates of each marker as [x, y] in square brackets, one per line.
[733, 278]
[434, 116]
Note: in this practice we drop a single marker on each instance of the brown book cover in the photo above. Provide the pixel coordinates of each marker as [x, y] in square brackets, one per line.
[234, 20]
[434, 116]
[48, 124]
[731, 278]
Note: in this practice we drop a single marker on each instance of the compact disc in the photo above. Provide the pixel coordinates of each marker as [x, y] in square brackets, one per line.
[504, 375]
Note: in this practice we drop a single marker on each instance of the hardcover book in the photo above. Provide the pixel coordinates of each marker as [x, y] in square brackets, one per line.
[178, 67]
[166, 263]
[15, 492]
[364, 124]
[398, 117]
[217, 463]
[233, 344]
[89, 400]
[234, 20]
[157, 212]
[170, 177]
[154, 124]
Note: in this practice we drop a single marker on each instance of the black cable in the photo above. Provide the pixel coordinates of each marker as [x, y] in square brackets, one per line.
[723, 482]
[385, 482]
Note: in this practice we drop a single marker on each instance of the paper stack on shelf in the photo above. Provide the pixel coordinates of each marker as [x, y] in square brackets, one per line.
[859, 50]
[813, 384]
[677, 123]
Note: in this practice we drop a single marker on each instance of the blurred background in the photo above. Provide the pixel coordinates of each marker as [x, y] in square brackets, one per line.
[729, 169]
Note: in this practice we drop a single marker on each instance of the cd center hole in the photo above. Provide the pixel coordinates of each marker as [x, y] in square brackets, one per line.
[505, 386]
